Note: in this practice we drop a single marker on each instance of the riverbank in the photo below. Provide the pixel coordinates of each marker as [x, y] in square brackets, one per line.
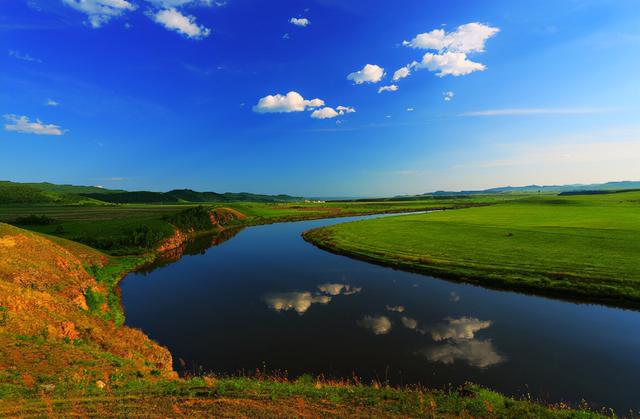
[580, 248]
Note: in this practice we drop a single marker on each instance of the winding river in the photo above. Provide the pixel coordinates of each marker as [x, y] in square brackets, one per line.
[267, 299]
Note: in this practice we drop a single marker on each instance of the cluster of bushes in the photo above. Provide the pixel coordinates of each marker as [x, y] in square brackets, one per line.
[130, 241]
[22, 194]
[34, 220]
[197, 219]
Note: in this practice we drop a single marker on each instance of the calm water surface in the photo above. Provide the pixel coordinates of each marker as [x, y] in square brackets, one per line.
[266, 298]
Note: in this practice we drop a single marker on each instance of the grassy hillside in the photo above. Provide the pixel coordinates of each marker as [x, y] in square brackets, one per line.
[579, 246]
[63, 189]
[35, 193]
[44, 192]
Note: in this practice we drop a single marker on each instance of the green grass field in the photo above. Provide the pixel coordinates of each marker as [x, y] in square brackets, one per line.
[583, 246]
[111, 227]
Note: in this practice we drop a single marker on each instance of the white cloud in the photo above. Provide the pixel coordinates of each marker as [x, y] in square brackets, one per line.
[452, 49]
[410, 109]
[379, 325]
[477, 353]
[23, 57]
[100, 12]
[297, 301]
[403, 72]
[462, 328]
[167, 4]
[173, 20]
[470, 37]
[447, 96]
[291, 102]
[345, 109]
[397, 309]
[300, 21]
[370, 73]
[285, 36]
[23, 125]
[51, 102]
[324, 113]
[449, 63]
[537, 111]
[389, 88]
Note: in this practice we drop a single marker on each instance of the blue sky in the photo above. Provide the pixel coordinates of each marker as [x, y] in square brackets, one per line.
[162, 94]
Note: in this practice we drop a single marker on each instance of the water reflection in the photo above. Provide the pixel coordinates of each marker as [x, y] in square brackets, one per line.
[337, 289]
[301, 301]
[397, 309]
[379, 325]
[461, 343]
[409, 323]
[298, 301]
[475, 352]
[462, 328]
[196, 246]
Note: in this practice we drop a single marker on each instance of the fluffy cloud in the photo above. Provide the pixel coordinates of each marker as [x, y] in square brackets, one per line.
[23, 125]
[401, 73]
[328, 112]
[379, 325]
[452, 49]
[291, 102]
[324, 113]
[297, 301]
[370, 73]
[447, 96]
[173, 20]
[449, 63]
[470, 37]
[100, 12]
[164, 12]
[477, 353]
[462, 328]
[51, 102]
[303, 21]
[389, 88]
[345, 109]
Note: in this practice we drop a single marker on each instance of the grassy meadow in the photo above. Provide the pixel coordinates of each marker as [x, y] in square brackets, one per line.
[583, 246]
[131, 229]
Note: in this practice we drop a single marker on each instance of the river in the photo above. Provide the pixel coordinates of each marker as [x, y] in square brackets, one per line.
[265, 299]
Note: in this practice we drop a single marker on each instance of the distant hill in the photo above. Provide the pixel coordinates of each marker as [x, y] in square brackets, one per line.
[187, 195]
[609, 186]
[65, 189]
[49, 193]
[43, 193]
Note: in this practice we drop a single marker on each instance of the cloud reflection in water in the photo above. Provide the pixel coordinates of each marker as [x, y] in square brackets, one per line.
[301, 301]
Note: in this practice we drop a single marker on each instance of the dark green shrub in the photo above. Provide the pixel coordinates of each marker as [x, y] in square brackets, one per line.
[35, 220]
[197, 218]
